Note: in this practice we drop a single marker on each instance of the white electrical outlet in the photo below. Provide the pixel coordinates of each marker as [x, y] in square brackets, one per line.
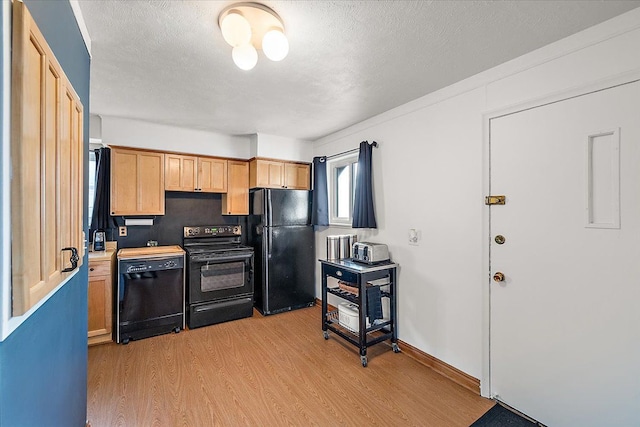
[122, 231]
[415, 236]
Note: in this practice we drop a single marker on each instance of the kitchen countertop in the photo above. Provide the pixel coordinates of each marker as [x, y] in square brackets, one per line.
[150, 251]
[111, 248]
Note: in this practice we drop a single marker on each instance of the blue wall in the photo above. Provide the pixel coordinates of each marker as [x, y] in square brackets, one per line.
[43, 379]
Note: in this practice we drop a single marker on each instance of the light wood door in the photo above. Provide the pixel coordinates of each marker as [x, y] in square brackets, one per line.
[46, 161]
[297, 176]
[137, 182]
[212, 175]
[565, 323]
[100, 302]
[236, 200]
[181, 172]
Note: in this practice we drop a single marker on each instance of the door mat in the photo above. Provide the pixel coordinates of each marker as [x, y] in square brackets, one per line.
[499, 416]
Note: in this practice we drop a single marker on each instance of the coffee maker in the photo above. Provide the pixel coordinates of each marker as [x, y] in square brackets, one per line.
[99, 237]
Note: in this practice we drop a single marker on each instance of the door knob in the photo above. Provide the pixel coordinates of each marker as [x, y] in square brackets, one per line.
[498, 277]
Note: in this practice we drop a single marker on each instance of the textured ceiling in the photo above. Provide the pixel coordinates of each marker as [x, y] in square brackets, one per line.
[166, 61]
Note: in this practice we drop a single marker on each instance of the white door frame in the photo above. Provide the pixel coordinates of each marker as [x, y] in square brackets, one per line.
[598, 85]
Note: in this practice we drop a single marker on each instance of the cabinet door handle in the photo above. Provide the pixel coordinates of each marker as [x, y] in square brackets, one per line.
[73, 259]
[91, 269]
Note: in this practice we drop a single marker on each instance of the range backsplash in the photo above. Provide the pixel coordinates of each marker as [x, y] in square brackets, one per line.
[181, 209]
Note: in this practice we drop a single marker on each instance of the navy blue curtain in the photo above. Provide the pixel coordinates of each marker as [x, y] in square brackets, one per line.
[320, 201]
[363, 212]
[101, 218]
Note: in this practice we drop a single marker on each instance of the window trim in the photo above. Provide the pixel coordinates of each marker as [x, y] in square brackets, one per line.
[332, 165]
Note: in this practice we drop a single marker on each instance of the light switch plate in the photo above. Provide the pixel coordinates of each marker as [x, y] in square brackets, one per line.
[122, 231]
[415, 236]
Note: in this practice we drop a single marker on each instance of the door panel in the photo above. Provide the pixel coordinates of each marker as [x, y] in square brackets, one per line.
[124, 178]
[151, 189]
[297, 176]
[236, 200]
[288, 207]
[212, 175]
[46, 166]
[565, 327]
[291, 267]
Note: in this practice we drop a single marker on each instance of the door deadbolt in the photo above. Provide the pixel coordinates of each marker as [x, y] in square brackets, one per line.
[498, 277]
[500, 239]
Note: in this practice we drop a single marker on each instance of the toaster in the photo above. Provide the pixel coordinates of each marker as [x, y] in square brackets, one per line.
[369, 252]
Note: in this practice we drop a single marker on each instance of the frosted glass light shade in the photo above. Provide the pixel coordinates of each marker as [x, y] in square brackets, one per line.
[236, 30]
[245, 56]
[275, 45]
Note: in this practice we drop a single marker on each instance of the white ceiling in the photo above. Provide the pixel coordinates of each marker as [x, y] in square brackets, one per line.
[166, 61]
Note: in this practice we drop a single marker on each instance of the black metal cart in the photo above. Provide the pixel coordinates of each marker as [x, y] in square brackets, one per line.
[360, 275]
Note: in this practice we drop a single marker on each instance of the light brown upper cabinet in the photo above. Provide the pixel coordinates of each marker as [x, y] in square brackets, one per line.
[269, 173]
[297, 176]
[191, 173]
[46, 161]
[180, 172]
[236, 200]
[212, 175]
[137, 182]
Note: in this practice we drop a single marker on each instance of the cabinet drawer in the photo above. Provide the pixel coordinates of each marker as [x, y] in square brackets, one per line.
[99, 268]
[340, 273]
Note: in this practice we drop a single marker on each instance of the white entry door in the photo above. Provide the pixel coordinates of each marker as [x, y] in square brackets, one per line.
[565, 322]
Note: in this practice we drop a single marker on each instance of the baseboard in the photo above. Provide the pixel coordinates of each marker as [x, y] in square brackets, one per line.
[444, 369]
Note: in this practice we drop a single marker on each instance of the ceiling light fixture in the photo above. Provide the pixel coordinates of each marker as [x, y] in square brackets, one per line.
[249, 27]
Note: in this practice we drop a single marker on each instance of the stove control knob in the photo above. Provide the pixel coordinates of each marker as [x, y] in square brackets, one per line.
[170, 264]
[236, 230]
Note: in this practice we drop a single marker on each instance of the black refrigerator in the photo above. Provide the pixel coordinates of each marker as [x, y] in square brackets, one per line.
[281, 234]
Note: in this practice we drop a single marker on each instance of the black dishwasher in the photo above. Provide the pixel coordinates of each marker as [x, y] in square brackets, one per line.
[149, 297]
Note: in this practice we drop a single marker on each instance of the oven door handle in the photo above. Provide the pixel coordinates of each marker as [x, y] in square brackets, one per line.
[226, 258]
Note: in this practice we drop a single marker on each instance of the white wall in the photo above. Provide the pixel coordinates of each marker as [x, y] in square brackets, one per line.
[95, 127]
[279, 147]
[429, 172]
[153, 136]
[140, 134]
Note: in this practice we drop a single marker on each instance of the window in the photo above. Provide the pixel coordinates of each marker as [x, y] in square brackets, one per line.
[341, 174]
[92, 182]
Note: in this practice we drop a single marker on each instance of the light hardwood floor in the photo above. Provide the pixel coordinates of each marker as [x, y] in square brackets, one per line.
[268, 371]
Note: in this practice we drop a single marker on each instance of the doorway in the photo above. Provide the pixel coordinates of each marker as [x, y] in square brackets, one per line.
[564, 335]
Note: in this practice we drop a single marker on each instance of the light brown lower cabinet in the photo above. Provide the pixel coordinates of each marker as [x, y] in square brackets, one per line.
[236, 200]
[100, 301]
